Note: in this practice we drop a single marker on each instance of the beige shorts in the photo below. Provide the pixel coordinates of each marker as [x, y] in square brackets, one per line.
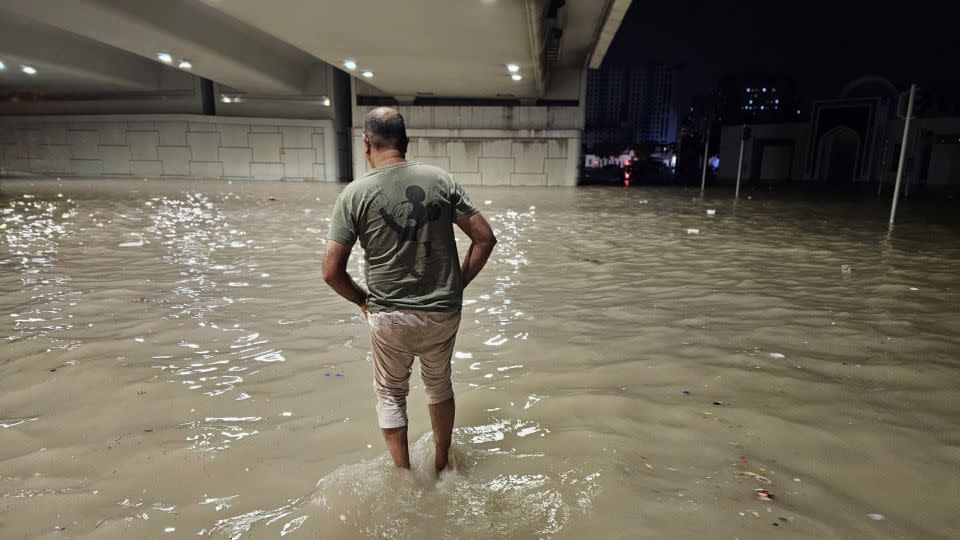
[398, 336]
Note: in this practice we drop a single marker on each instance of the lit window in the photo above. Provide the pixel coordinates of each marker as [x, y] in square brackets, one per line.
[764, 90]
[762, 108]
[748, 89]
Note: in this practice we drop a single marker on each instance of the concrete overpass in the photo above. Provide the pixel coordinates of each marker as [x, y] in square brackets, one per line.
[492, 89]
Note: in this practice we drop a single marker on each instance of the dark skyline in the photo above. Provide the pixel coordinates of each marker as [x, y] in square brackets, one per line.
[823, 45]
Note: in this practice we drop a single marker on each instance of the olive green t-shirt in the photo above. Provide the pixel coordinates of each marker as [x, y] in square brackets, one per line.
[403, 215]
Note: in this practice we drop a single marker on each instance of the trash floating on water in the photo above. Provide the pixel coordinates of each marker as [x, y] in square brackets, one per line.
[777, 355]
[711, 212]
[488, 202]
[642, 202]
[686, 392]
[271, 198]
[845, 268]
[719, 403]
[764, 495]
[693, 231]
[914, 289]
[760, 478]
[877, 517]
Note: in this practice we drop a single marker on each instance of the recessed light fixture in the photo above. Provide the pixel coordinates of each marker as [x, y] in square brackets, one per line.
[164, 57]
[513, 68]
[29, 70]
[326, 102]
[2, 66]
[184, 64]
[350, 64]
[226, 99]
[516, 76]
[367, 73]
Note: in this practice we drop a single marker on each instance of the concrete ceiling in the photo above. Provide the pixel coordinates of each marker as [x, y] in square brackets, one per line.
[449, 48]
[444, 47]
[65, 61]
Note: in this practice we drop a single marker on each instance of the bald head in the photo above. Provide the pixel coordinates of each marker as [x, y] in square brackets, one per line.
[385, 129]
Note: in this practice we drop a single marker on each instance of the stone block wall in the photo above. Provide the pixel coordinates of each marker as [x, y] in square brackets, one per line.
[175, 146]
[492, 157]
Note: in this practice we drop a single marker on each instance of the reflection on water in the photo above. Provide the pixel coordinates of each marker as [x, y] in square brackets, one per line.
[32, 231]
[174, 365]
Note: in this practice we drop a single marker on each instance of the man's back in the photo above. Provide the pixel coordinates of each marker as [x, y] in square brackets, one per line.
[403, 216]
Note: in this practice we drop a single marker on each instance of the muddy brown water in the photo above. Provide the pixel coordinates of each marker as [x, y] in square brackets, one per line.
[172, 365]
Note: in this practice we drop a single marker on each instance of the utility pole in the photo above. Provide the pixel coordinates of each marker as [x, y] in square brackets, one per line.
[903, 153]
[706, 146]
[743, 139]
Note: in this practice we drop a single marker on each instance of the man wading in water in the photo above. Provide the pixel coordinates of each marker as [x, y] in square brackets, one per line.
[403, 214]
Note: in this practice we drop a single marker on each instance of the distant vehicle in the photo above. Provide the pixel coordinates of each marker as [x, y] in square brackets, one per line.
[636, 172]
[646, 172]
[609, 175]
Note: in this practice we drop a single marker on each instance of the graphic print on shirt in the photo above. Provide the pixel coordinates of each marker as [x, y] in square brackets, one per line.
[406, 219]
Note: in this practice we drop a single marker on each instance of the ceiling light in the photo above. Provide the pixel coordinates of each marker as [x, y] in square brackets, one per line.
[350, 64]
[29, 70]
[2, 66]
[164, 57]
[513, 68]
[184, 64]
[367, 73]
[226, 99]
[326, 102]
[516, 76]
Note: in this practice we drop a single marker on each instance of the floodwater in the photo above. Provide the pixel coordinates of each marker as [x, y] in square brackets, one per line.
[172, 365]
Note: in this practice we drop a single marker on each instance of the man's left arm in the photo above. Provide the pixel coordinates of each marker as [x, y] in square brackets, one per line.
[335, 274]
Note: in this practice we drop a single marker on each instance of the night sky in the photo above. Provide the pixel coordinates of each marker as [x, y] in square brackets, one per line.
[823, 45]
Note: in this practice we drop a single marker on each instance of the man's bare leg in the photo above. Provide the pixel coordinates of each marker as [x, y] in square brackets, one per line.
[396, 439]
[441, 418]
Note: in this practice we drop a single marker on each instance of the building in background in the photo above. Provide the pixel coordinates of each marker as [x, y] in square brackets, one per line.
[751, 98]
[628, 104]
[853, 139]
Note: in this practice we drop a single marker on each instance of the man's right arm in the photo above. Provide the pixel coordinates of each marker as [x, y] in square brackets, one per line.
[482, 241]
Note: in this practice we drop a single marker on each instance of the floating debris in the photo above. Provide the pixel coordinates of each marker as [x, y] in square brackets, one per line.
[693, 231]
[764, 495]
[877, 517]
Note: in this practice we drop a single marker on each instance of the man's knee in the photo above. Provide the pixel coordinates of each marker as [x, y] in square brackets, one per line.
[438, 392]
[391, 412]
